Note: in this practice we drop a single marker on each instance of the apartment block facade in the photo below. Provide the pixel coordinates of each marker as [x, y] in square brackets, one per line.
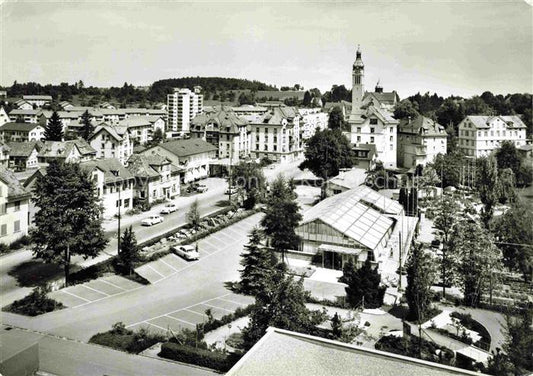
[182, 106]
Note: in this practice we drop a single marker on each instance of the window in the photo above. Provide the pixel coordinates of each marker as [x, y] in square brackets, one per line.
[3, 230]
[358, 129]
[374, 121]
[391, 129]
[127, 202]
[372, 139]
[372, 130]
[391, 146]
[358, 138]
[391, 138]
[118, 203]
[275, 147]
[266, 130]
[3, 209]
[17, 206]
[17, 226]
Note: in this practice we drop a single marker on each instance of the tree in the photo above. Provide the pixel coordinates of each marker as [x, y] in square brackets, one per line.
[450, 112]
[363, 285]
[193, 215]
[258, 265]
[326, 153]
[69, 220]
[249, 177]
[157, 137]
[507, 184]
[53, 131]
[446, 217]
[507, 157]
[476, 106]
[488, 186]
[336, 118]
[449, 168]
[519, 346]
[420, 276]
[336, 326]
[476, 258]
[405, 109]
[307, 99]
[282, 305]
[282, 216]
[514, 233]
[87, 126]
[129, 252]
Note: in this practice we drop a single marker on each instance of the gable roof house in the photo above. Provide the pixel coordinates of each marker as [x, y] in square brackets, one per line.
[21, 132]
[23, 155]
[420, 140]
[37, 100]
[29, 115]
[4, 117]
[155, 177]
[112, 142]
[114, 184]
[70, 151]
[4, 154]
[192, 156]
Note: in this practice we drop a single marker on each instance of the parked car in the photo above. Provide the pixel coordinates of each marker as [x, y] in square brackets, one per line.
[231, 191]
[188, 252]
[152, 220]
[192, 187]
[201, 188]
[169, 208]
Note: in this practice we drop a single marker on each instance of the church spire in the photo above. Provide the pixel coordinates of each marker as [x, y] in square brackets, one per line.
[357, 80]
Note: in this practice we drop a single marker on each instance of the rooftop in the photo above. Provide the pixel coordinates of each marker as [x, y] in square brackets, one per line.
[141, 165]
[282, 352]
[21, 149]
[37, 97]
[14, 188]
[109, 166]
[358, 214]
[423, 126]
[512, 121]
[22, 127]
[184, 148]
[63, 148]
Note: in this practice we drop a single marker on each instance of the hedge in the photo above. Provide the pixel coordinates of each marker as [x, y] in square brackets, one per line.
[226, 319]
[120, 338]
[210, 359]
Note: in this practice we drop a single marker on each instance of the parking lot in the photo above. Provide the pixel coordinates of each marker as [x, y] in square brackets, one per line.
[92, 291]
[188, 317]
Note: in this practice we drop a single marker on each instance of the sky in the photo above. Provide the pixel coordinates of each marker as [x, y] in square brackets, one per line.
[461, 48]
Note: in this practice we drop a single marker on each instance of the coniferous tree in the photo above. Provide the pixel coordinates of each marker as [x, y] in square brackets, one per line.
[129, 252]
[87, 126]
[69, 220]
[363, 285]
[193, 215]
[53, 131]
[282, 216]
[258, 265]
[420, 277]
[336, 326]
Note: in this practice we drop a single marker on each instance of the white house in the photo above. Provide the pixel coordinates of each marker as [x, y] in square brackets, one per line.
[420, 140]
[480, 135]
[155, 177]
[29, 116]
[69, 151]
[114, 185]
[4, 117]
[112, 142]
[14, 207]
[192, 156]
[38, 100]
[21, 132]
[182, 106]
[312, 119]
[23, 155]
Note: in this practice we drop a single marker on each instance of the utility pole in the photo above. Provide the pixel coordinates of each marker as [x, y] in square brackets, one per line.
[229, 171]
[400, 261]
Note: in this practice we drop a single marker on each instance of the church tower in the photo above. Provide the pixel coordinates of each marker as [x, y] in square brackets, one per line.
[358, 72]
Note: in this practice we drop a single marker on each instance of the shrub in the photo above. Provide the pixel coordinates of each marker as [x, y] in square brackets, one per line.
[36, 303]
[201, 357]
[409, 346]
[20, 242]
[3, 248]
[226, 319]
[468, 322]
[123, 339]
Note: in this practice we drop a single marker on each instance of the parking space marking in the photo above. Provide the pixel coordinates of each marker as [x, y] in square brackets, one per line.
[198, 313]
[76, 296]
[234, 302]
[112, 284]
[150, 266]
[177, 310]
[95, 290]
[167, 264]
[237, 233]
[157, 326]
[186, 322]
[210, 305]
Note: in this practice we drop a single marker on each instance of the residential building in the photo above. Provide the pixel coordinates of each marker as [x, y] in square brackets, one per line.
[284, 352]
[4, 117]
[276, 135]
[112, 142]
[192, 156]
[66, 118]
[23, 155]
[371, 121]
[4, 154]
[141, 128]
[480, 135]
[23, 105]
[311, 120]
[28, 115]
[14, 205]
[107, 105]
[225, 130]
[77, 150]
[356, 224]
[65, 105]
[144, 112]
[420, 140]
[37, 100]
[249, 112]
[21, 132]
[114, 185]
[155, 177]
[526, 151]
[345, 106]
[385, 100]
[182, 106]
